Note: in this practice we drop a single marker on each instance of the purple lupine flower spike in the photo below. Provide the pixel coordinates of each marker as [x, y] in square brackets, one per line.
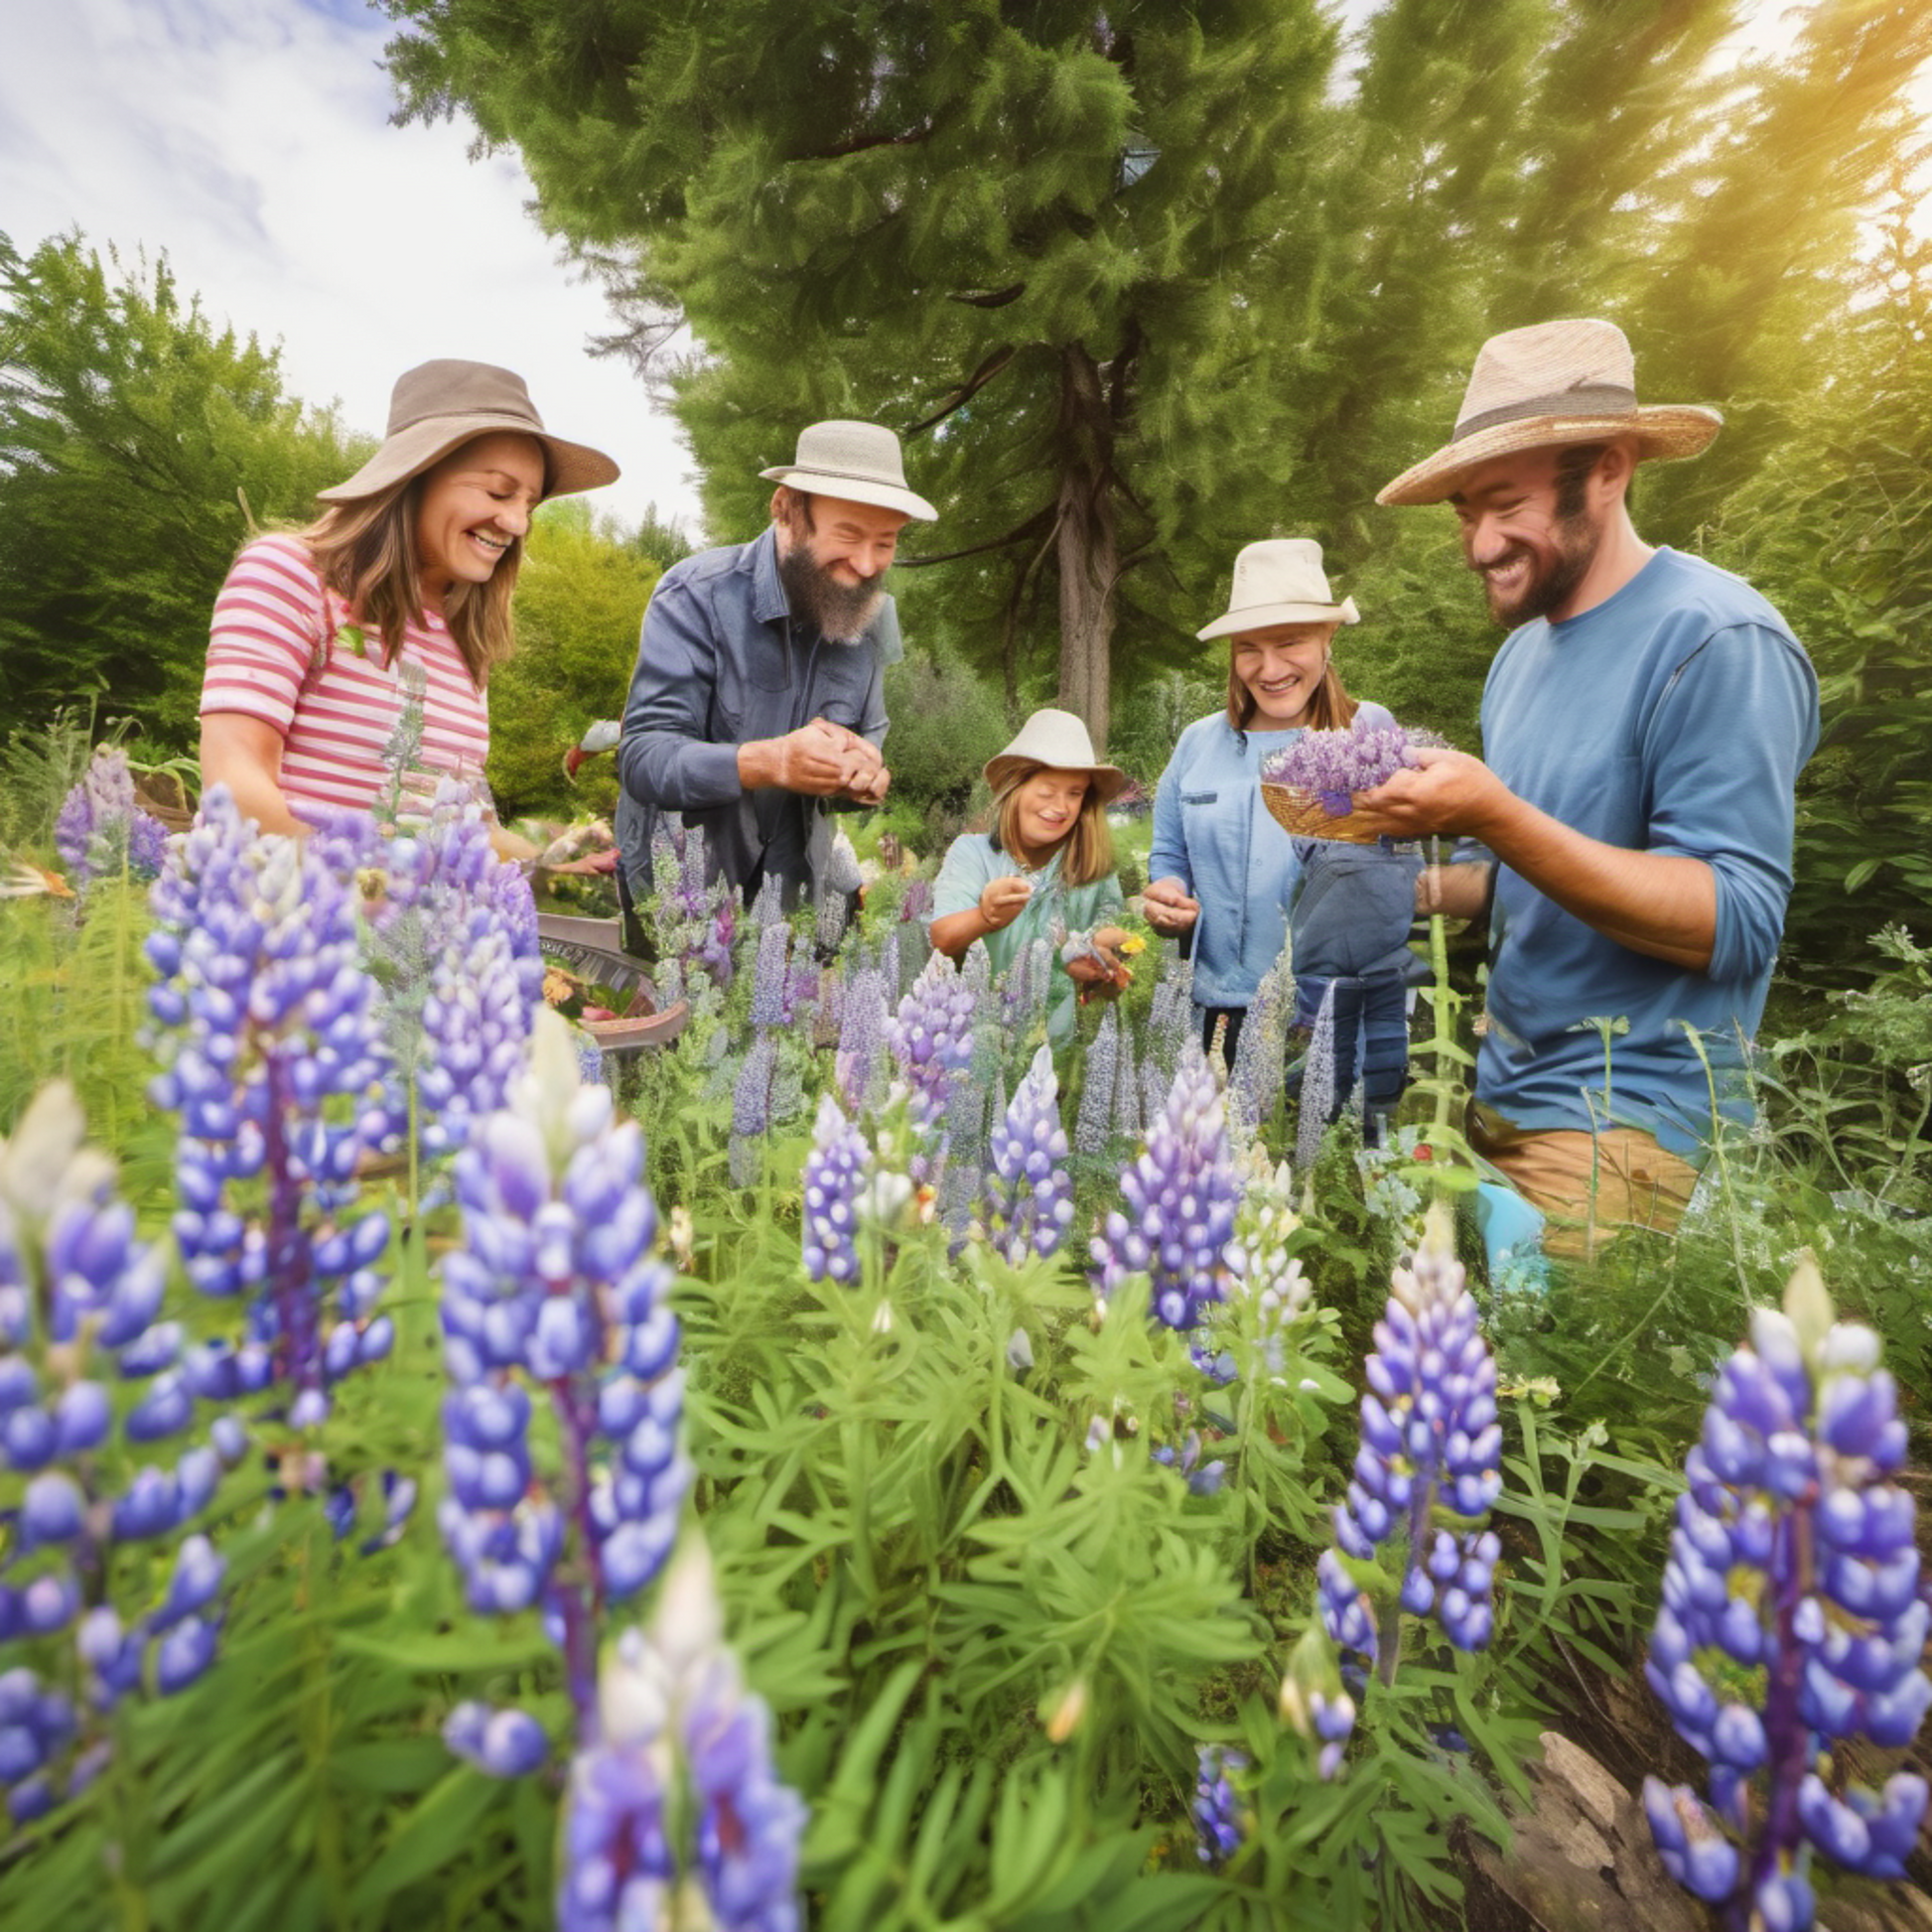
[1430, 1445]
[675, 1694]
[101, 829]
[1028, 1193]
[861, 1037]
[834, 1180]
[79, 1301]
[273, 1061]
[555, 1286]
[1180, 1193]
[1792, 1619]
[1220, 1825]
[1095, 1120]
[454, 945]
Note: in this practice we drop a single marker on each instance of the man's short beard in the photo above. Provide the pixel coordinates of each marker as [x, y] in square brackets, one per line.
[1577, 541]
[840, 612]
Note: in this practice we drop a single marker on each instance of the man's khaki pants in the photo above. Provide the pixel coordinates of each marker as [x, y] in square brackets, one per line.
[1586, 1185]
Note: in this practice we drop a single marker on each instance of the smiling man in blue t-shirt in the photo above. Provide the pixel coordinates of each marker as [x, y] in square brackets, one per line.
[1643, 725]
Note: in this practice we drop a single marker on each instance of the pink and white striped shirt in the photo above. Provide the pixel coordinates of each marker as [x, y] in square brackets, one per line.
[334, 706]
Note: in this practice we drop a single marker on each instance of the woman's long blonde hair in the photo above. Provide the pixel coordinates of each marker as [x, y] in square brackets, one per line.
[1086, 851]
[366, 552]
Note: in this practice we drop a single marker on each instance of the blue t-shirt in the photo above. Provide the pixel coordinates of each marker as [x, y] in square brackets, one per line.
[1674, 716]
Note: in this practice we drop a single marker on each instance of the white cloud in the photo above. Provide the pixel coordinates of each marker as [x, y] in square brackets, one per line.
[251, 140]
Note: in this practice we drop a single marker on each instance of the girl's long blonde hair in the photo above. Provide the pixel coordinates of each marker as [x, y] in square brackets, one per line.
[366, 552]
[1086, 851]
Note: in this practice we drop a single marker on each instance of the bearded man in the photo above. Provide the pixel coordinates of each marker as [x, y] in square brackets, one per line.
[1630, 835]
[759, 693]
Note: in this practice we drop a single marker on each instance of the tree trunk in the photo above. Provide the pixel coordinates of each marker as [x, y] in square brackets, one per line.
[1088, 549]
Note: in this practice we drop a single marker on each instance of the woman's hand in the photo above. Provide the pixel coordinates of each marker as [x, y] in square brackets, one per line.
[1167, 907]
[1000, 900]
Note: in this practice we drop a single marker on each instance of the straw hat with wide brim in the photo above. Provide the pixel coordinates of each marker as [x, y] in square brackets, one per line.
[859, 463]
[1279, 581]
[1551, 384]
[438, 407]
[1059, 739]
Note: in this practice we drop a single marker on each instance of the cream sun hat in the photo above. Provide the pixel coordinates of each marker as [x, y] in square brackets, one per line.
[1057, 738]
[439, 406]
[1552, 383]
[1279, 581]
[859, 461]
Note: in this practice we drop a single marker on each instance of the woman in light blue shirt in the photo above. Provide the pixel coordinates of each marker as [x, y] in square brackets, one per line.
[1223, 871]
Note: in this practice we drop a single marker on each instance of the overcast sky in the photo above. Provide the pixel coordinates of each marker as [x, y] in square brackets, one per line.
[251, 140]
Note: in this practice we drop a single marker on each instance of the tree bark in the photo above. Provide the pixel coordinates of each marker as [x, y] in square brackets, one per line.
[1088, 544]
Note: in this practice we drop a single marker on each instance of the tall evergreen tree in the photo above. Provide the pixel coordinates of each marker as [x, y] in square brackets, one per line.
[1144, 282]
[1035, 238]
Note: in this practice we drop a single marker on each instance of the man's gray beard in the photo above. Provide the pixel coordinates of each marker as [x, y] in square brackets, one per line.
[841, 614]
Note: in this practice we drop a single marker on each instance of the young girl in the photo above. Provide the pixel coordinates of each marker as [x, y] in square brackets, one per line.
[1048, 862]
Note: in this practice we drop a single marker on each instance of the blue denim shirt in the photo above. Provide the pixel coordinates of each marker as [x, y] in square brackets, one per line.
[1212, 832]
[722, 662]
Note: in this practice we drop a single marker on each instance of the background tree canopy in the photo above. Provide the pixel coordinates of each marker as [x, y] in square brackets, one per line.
[136, 444]
[1140, 284]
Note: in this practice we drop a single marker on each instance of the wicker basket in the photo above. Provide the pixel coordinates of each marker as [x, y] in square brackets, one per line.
[1302, 814]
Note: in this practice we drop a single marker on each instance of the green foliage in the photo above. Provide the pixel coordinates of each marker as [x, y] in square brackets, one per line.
[136, 445]
[946, 723]
[1838, 526]
[1113, 377]
[580, 599]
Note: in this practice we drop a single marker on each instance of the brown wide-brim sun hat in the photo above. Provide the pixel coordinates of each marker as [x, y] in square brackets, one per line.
[437, 407]
[1550, 385]
[1058, 740]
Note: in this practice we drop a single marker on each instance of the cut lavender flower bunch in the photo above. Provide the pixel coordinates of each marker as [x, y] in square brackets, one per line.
[1310, 786]
[1792, 1621]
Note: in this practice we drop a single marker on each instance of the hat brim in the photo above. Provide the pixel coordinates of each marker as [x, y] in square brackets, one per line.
[1262, 616]
[854, 489]
[1664, 432]
[1109, 780]
[567, 467]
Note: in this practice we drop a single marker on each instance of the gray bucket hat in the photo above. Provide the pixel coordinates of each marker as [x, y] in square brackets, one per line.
[438, 407]
[859, 461]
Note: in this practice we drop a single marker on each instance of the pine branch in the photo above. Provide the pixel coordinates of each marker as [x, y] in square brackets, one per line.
[860, 142]
[1018, 534]
[995, 299]
[968, 389]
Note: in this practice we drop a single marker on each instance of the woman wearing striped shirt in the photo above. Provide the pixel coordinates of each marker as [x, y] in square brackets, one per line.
[401, 587]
